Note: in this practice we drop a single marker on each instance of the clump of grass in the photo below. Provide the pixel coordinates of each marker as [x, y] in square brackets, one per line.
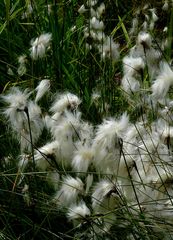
[87, 151]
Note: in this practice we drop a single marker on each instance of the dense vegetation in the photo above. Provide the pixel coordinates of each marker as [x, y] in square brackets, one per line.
[86, 119]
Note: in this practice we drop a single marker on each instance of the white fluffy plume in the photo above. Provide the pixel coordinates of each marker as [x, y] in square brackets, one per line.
[163, 82]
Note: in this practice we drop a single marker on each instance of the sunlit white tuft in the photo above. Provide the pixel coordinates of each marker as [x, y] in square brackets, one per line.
[40, 45]
[42, 88]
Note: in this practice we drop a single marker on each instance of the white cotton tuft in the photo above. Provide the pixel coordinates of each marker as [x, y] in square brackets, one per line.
[20, 112]
[92, 12]
[133, 65]
[165, 6]
[66, 127]
[91, 3]
[111, 128]
[86, 133]
[22, 67]
[109, 49]
[134, 27]
[82, 159]
[66, 101]
[100, 10]
[163, 82]
[82, 9]
[22, 59]
[21, 70]
[42, 88]
[102, 190]
[16, 99]
[24, 160]
[36, 126]
[40, 45]
[144, 39]
[106, 143]
[130, 84]
[69, 191]
[78, 212]
[96, 24]
[44, 155]
[154, 17]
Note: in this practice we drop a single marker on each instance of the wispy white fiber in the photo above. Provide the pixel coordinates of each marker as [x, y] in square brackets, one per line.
[69, 191]
[96, 24]
[40, 45]
[65, 101]
[163, 82]
[43, 156]
[100, 10]
[79, 211]
[42, 88]
[82, 9]
[106, 143]
[133, 65]
[82, 159]
[144, 39]
[109, 49]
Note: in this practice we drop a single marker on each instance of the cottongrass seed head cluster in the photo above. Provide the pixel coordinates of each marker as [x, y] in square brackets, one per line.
[106, 175]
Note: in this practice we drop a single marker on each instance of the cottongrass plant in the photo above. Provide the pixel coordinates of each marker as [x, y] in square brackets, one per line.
[107, 178]
[94, 29]
[40, 45]
[131, 163]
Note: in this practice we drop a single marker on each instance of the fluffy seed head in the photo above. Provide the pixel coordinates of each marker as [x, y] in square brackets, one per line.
[101, 190]
[66, 101]
[134, 27]
[79, 211]
[107, 131]
[91, 3]
[82, 9]
[16, 99]
[165, 6]
[18, 110]
[109, 49]
[22, 59]
[144, 39]
[154, 17]
[96, 24]
[100, 10]
[36, 125]
[163, 82]
[106, 143]
[17, 102]
[42, 88]
[44, 155]
[40, 45]
[133, 65]
[21, 70]
[82, 159]
[69, 191]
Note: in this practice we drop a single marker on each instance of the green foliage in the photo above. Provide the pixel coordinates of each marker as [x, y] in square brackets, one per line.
[70, 66]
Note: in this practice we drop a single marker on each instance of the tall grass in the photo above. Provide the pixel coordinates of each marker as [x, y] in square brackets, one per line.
[86, 120]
